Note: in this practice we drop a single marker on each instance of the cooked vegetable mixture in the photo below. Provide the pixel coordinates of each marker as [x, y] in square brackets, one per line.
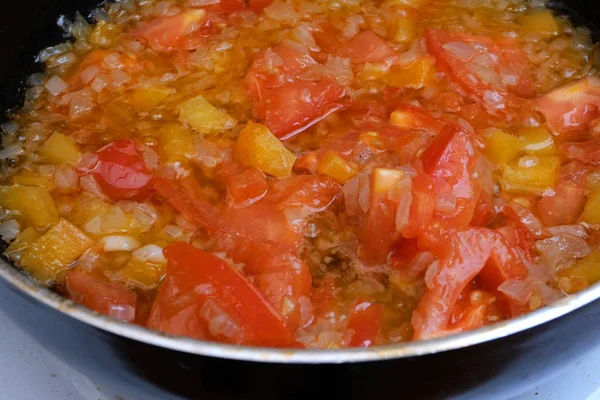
[320, 174]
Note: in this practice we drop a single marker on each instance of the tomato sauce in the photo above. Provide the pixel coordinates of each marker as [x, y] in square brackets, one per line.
[309, 174]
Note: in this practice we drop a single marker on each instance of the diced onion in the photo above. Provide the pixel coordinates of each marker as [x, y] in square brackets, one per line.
[460, 50]
[10, 127]
[122, 312]
[219, 322]
[548, 294]
[204, 289]
[532, 222]
[89, 73]
[66, 178]
[572, 230]
[55, 85]
[364, 192]
[53, 51]
[565, 247]
[516, 290]
[445, 203]
[10, 229]
[281, 11]
[11, 151]
[120, 243]
[150, 253]
[432, 273]
[88, 184]
[306, 311]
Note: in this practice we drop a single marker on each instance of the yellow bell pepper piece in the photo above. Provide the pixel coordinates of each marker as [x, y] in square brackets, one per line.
[104, 34]
[176, 142]
[29, 178]
[21, 243]
[258, 147]
[147, 98]
[533, 179]
[542, 22]
[59, 149]
[336, 167]
[585, 272]
[142, 274]
[405, 30]
[54, 251]
[591, 212]
[410, 3]
[34, 203]
[204, 117]
[415, 76]
[502, 147]
[537, 141]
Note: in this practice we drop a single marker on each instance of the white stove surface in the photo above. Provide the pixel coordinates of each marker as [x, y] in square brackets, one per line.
[28, 372]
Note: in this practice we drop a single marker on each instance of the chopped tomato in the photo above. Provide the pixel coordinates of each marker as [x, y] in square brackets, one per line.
[484, 210]
[464, 255]
[365, 321]
[276, 271]
[261, 221]
[283, 103]
[203, 296]
[404, 251]
[564, 205]
[247, 187]
[495, 71]
[274, 67]
[100, 295]
[422, 206]
[571, 108]
[165, 33]
[368, 47]
[450, 159]
[258, 5]
[227, 6]
[586, 152]
[121, 171]
[390, 195]
[313, 192]
[296, 106]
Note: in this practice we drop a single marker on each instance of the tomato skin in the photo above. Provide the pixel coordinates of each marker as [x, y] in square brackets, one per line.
[96, 293]
[464, 255]
[566, 203]
[368, 47]
[587, 152]
[121, 171]
[365, 322]
[189, 267]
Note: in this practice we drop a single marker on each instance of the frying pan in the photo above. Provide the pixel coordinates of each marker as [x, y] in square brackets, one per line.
[498, 361]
